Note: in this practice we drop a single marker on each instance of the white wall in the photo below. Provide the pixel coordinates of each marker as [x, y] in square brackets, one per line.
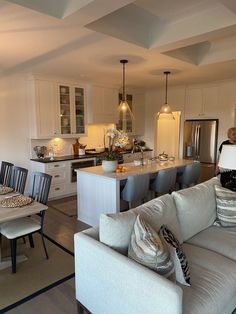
[14, 126]
[212, 100]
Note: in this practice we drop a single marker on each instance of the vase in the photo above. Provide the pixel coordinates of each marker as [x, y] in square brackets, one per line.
[109, 165]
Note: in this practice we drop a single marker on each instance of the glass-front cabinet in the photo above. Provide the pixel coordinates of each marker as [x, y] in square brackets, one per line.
[71, 109]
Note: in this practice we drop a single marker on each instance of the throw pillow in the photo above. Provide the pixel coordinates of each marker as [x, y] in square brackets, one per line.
[115, 230]
[225, 206]
[147, 248]
[180, 261]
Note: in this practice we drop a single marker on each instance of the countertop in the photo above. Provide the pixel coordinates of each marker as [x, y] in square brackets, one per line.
[75, 157]
[132, 170]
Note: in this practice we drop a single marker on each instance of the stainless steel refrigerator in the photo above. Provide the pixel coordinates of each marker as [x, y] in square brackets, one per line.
[200, 143]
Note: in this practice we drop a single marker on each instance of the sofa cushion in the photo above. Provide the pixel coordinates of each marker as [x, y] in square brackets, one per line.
[196, 207]
[213, 278]
[115, 229]
[225, 206]
[161, 211]
[182, 273]
[218, 239]
[147, 248]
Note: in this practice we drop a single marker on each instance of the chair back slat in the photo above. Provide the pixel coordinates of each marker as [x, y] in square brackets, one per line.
[40, 186]
[5, 173]
[18, 179]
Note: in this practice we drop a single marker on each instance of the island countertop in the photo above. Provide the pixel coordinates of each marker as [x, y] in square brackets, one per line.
[99, 191]
[132, 170]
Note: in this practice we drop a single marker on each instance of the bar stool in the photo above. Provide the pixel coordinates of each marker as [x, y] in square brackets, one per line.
[5, 173]
[164, 181]
[136, 189]
[189, 176]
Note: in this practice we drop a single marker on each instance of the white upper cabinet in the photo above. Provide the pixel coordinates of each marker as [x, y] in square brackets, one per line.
[139, 113]
[71, 110]
[202, 102]
[41, 104]
[56, 109]
[103, 105]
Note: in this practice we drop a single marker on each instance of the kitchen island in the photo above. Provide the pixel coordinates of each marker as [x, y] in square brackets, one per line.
[99, 191]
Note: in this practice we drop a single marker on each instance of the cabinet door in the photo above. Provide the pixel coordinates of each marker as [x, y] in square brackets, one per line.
[211, 101]
[194, 103]
[41, 100]
[103, 106]
[139, 114]
[71, 112]
[79, 110]
[65, 109]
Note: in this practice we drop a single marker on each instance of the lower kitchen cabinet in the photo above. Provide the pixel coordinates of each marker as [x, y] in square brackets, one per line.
[61, 185]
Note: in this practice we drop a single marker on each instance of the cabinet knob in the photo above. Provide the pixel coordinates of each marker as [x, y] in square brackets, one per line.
[57, 176]
[56, 165]
[56, 189]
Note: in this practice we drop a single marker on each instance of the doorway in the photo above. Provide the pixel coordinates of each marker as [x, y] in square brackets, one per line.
[167, 135]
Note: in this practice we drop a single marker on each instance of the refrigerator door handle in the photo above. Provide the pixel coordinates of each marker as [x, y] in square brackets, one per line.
[198, 141]
[195, 142]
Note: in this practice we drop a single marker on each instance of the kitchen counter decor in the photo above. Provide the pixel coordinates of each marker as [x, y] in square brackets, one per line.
[117, 141]
[16, 201]
[5, 189]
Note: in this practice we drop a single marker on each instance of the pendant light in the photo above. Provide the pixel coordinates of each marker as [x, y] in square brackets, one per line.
[165, 109]
[124, 109]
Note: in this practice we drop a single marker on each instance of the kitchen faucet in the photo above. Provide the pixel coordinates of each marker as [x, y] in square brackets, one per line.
[135, 144]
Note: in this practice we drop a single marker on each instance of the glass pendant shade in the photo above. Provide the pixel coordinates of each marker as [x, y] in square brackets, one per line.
[166, 109]
[124, 111]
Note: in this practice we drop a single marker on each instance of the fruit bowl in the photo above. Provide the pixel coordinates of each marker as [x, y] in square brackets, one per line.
[99, 149]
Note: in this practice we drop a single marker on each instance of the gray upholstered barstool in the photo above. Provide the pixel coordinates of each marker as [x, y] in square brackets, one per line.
[136, 189]
[190, 176]
[164, 181]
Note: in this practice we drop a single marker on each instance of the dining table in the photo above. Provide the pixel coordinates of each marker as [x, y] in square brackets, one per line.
[12, 213]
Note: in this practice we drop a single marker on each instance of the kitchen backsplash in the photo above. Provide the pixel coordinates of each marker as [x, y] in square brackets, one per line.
[61, 147]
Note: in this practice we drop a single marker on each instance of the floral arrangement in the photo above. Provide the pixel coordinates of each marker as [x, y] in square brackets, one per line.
[116, 139]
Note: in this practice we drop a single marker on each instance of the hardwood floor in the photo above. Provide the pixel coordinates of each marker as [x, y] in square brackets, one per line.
[61, 299]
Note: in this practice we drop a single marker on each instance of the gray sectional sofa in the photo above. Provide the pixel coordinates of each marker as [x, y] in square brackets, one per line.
[108, 282]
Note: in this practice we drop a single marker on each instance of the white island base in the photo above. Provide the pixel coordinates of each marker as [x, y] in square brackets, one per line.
[99, 192]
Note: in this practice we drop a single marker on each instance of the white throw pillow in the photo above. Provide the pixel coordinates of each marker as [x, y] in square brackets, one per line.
[148, 249]
[115, 230]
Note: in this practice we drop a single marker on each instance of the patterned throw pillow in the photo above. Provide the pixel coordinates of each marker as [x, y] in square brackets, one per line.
[148, 249]
[181, 265]
[225, 206]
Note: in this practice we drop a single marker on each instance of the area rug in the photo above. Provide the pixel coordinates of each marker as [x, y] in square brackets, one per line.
[67, 207]
[37, 274]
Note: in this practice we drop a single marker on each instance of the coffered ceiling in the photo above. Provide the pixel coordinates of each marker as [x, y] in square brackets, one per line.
[85, 39]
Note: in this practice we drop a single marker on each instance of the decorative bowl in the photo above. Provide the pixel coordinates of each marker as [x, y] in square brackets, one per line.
[99, 149]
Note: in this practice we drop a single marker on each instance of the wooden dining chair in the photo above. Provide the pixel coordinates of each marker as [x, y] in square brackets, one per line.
[13, 230]
[5, 173]
[18, 179]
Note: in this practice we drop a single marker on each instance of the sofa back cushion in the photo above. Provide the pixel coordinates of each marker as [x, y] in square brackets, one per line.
[115, 229]
[196, 207]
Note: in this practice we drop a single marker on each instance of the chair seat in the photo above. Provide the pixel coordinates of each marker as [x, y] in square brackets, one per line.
[19, 227]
